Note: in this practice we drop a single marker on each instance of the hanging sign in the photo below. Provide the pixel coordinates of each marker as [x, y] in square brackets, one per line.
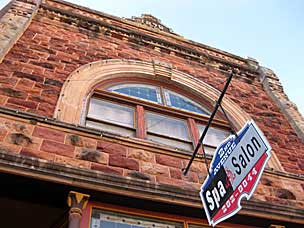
[235, 170]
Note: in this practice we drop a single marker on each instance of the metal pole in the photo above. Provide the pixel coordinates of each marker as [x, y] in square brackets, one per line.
[185, 170]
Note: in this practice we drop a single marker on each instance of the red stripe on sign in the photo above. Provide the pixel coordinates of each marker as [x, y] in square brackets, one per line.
[247, 186]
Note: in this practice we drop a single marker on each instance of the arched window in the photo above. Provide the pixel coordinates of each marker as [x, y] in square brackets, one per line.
[154, 112]
[78, 108]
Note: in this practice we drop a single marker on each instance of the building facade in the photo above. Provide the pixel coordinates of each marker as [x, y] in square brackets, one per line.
[100, 114]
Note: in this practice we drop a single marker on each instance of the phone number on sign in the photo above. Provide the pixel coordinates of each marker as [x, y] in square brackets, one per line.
[248, 181]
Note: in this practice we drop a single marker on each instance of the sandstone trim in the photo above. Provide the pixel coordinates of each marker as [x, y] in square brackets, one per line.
[14, 22]
[274, 88]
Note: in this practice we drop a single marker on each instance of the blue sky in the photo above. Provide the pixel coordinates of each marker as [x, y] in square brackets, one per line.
[271, 31]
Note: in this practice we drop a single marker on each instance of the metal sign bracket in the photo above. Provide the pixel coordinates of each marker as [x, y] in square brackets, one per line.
[200, 142]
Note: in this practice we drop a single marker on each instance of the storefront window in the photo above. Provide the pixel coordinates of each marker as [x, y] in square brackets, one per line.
[107, 219]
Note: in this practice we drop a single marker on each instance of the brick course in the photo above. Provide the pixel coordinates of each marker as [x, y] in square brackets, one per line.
[169, 161]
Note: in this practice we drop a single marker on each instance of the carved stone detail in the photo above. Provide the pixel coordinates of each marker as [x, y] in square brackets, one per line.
[151, 22]
[162, 69]
[202, 53]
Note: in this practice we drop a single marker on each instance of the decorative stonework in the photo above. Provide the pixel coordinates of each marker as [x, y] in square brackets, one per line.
[15, 22]
[202, 54]
[273, 87]
[151, 22]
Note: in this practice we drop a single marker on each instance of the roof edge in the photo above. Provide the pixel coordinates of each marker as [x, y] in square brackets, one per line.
[245, 69]
[172, 35]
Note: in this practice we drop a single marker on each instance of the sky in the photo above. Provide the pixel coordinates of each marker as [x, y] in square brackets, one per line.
[271, 31]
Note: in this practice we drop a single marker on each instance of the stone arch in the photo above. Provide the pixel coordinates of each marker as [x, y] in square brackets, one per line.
[83, 80]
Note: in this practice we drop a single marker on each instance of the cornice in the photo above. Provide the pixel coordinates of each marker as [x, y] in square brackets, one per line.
[137, 25]
[210, 57]
[5, 9]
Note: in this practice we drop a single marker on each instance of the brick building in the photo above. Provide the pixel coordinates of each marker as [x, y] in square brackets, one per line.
[103, 113]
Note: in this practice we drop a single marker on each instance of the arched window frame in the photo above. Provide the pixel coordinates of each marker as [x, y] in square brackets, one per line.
[71, 109]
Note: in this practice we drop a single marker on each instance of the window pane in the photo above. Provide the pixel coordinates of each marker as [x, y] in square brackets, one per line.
[110, 112]
[111, 128]
[214, 136]
[167, 126]
[209, 149]
[178, 101]
[107, 219]
[145, 92]
[170, 142]
[106, 224]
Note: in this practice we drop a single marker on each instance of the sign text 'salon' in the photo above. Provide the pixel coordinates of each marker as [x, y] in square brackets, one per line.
[235, 170]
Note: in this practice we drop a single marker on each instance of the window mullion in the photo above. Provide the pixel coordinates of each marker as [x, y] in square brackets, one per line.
[140, 122]
[194, 132]
[162, 94]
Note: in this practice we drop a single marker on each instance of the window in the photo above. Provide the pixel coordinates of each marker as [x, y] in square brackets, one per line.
[153, 112]
[213, 138]
[145, 92]
[178, 101]
[108, 219]
[128, 218]
[152, 93]
[114, 117]
[167, 130]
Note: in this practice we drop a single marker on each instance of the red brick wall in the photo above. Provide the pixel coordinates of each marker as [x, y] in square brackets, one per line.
[33, 72]
[79, 149]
